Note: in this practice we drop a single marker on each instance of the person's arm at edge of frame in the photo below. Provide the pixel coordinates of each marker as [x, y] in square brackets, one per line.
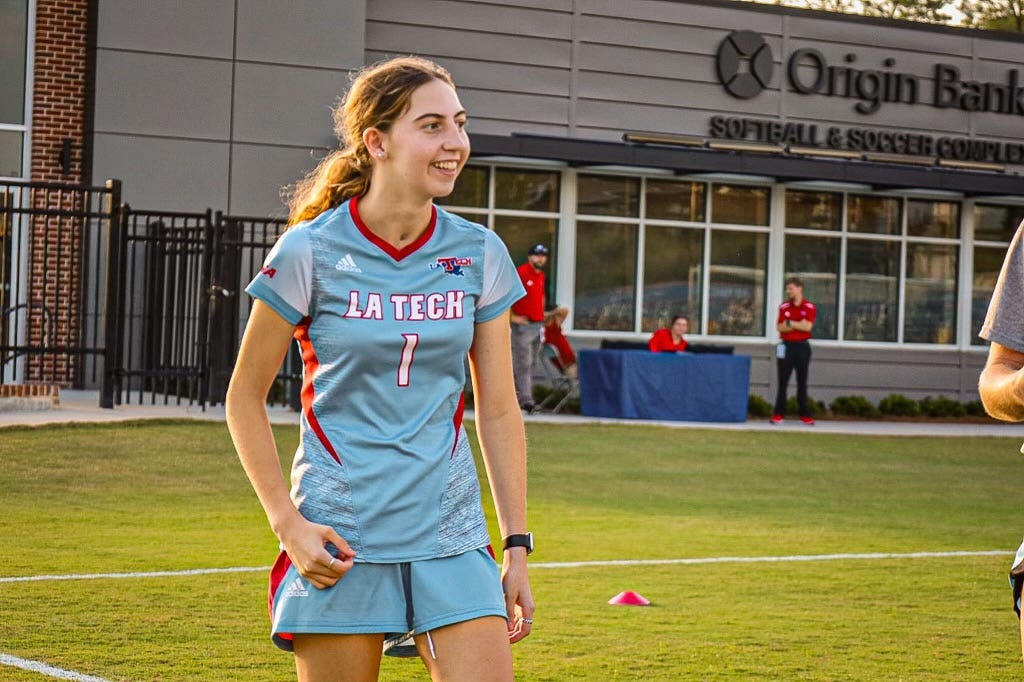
[502, 436]
[1001, 384]
[263, 348]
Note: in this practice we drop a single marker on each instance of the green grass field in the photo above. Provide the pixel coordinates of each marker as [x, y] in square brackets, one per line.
[170, 496]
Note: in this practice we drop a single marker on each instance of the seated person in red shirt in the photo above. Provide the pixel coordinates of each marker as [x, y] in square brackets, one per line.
[670, 339]
[553, 335]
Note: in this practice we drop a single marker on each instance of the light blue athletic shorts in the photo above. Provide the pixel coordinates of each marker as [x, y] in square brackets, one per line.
[386, 598]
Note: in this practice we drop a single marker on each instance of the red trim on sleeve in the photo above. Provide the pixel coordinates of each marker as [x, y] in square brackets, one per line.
[397, 254]
[312, 366]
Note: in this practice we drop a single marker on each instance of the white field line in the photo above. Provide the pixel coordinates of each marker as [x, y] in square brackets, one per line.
[138, 574]
[542, 565]
[48, 670]
[61, 674]
[772, 559]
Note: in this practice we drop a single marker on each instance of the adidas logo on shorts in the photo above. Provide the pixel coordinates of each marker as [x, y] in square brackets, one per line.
[296, 589]
[347, 264]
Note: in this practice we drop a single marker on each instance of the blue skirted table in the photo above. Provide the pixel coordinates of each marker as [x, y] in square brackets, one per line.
[638, 384]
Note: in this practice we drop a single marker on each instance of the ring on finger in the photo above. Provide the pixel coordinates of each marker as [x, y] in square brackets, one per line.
[528, 621]
[330, 564]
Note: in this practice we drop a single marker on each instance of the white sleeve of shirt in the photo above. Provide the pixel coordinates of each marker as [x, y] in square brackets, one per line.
[501, 286]
[284, 281]
[1004, 322]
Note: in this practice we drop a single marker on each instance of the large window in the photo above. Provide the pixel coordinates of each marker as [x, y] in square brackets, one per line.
[606, 252]
[523, 211]
[13, 85]
[673, 276]
[815, 260]
[814, 210]
[930, 308]
[874, 214]
[737, 286]
[881, 268]
[605, 276]
[994, 227]
[896, 258]
[872, 290]
[641, 249]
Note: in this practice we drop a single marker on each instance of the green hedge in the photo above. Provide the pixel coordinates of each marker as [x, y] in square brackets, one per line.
[893, 405]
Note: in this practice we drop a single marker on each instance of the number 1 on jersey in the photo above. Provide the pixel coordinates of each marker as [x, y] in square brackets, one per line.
[408, 351]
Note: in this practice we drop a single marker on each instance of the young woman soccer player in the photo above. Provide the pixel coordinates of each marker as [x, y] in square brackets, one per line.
[383, 530]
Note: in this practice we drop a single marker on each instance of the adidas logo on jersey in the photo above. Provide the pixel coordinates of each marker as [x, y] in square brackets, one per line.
[347, 264]
[296, 589]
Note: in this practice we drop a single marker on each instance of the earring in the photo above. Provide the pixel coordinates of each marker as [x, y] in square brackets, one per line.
[381, 153]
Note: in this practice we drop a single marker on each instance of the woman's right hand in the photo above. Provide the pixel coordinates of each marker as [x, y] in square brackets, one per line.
[306, 544]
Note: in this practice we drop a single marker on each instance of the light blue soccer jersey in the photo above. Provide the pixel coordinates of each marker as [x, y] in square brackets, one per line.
[384, 333]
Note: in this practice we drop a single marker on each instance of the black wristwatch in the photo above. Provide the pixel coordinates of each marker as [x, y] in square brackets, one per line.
[520, 540]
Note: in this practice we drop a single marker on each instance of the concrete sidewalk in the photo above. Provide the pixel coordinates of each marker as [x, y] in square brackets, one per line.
[83, 406]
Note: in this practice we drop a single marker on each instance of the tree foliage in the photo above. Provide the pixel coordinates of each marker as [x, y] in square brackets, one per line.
[847, 6]
[826, 5]
[1004, 15]
[912, 10]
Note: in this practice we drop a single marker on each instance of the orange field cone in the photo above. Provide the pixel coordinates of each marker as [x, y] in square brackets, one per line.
[629, 598]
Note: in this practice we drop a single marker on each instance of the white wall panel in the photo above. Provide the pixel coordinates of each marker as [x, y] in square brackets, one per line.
[260, 172]
[162, 95]
[286, 105]
[473, 17]
[200, 28]
[441, 43]
[689, 13]
[165, 174]
[302, 32]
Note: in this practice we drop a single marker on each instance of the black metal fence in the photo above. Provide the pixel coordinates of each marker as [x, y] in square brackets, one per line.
[55, 279]
[184, 308]
[146, 306]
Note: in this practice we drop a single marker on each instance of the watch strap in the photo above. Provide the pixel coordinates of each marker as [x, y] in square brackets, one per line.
[519, 540]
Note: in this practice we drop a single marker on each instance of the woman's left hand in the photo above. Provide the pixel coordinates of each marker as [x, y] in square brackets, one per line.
[518, 598]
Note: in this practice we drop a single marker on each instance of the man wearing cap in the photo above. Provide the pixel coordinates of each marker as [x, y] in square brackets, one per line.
[527, 319]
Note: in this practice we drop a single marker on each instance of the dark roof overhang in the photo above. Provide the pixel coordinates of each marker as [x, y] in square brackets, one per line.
[780, 164]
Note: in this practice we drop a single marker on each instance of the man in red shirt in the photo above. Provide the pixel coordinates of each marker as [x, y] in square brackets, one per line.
[795, 321]
[527, 319]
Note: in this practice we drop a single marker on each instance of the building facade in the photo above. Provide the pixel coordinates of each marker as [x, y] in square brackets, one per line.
[679, 157]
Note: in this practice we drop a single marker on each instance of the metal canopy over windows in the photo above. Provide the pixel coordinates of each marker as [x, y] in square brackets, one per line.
[878, 176]
[884, 265]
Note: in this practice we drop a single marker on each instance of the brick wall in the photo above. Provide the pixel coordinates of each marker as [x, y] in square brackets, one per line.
[59, 98]
[59, 111]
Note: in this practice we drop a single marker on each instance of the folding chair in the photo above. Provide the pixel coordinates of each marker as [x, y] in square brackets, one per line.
[559, 381]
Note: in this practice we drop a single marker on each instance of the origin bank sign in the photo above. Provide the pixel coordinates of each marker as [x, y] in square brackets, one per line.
[745, 67]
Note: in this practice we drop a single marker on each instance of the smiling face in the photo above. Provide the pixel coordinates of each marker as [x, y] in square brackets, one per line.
[422, 153]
